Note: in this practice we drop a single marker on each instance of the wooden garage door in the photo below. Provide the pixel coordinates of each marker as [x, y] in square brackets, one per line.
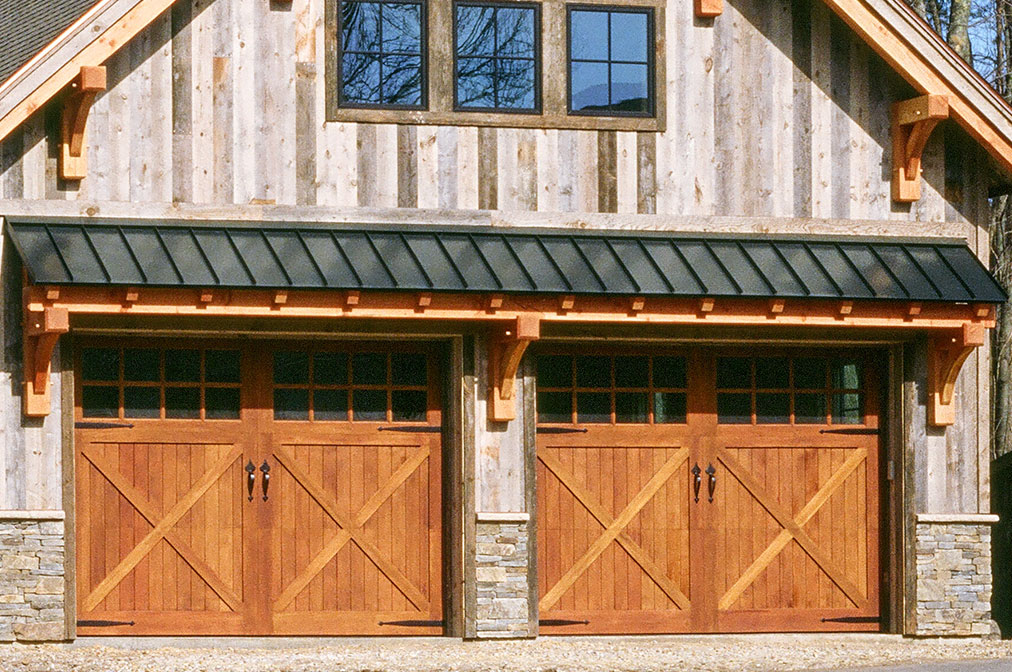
[257, 490]
[707, 492]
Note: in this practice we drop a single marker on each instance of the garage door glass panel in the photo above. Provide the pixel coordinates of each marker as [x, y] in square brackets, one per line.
[632, 372]
[221, 403]
[369, 368]
[182, 366]
[182, 402]
[631, 407]
[141, 402]
[100, 402]
[408, 369]
[555, 407]
[330, 368]
[593, 407]
[221, 366]
[100, 364]
[555, 371]
[291, 367]
[141, 365]
[669, 407]
[330, 404]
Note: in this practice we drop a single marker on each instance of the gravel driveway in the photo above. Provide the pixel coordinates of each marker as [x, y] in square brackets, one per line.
[735, 653]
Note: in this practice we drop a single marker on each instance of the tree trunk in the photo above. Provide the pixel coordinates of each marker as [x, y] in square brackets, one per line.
[959, 29]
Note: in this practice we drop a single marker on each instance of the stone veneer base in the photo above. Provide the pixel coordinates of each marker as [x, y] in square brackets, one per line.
[32, 584]
[954, 576]
[501, 568]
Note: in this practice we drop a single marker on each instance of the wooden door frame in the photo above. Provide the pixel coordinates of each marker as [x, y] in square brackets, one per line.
[457, 453]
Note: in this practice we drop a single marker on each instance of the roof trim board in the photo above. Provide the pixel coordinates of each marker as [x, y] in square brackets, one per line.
[471, 260]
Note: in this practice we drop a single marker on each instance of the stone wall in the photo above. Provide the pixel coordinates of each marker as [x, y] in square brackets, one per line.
[503, 591]
[32, 585]
[953, 578]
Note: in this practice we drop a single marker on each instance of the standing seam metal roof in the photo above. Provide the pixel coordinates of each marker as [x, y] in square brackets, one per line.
[459, 259]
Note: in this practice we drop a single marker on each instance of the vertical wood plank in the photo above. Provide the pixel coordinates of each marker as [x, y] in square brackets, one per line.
[607, 178]
[467, 168]
[526, 170]
[427, 161]
[305, 133]
[822, 113]
[448, 153]
[407, 167]
[547, 169]
[182, 107]
[626, 173]
[488, 168]
[646, 175]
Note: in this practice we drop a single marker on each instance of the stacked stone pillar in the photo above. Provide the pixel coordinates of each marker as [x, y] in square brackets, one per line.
[32, 576]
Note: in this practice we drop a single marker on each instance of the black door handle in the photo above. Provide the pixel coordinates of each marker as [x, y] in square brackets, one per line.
[697, 480]
[251, 478]
[266, 469]
[712, 473]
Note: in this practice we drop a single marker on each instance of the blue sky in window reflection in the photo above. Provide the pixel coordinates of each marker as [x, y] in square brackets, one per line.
[495, 57]
[610, 55]
[382, 47]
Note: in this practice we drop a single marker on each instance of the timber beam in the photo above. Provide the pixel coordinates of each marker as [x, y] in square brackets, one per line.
[709, 8]
[82, 91]
[515, 320]
[506, 349]
[912, 123]
[945, 359]
[42, 327]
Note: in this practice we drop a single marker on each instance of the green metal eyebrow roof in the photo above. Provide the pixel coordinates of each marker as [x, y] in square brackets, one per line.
[470, 259]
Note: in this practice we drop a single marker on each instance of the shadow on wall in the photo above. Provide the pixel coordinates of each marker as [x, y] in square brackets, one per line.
[1001, 544]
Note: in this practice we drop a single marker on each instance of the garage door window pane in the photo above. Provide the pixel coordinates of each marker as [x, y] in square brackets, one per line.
[810, 409]
[182, 366]
[734, 408]
[182, 402]
[221, 403]
[809, 373]
[631, 407]
[369, 368]
[773, 408]
[369, 405]
[291, 368]
[772, 373]
[669, 372]
[593, 372]
[846, 375]
[555, 371]
[734, 372]
[593, 407]
[141, 365]
[100, 364]
[142, 402]
[100, 402]
[632, 372]
[291, 404]
[330, 404]
[408, 405]
[847, 409]
[555, 407]
[330, 368]
[408, 368]
[221, 366]
[669, 407]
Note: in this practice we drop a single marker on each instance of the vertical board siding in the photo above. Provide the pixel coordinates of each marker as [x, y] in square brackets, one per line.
[773, 109]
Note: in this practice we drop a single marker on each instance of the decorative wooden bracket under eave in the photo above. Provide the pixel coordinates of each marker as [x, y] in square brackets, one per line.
[945, 358]
[42, 328]
[913, 121]
[506, 349]
[81, 95]
[709, 8]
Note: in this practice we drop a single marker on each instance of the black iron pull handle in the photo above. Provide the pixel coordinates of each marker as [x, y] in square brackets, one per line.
[712, 473]
[266, 469]
[697, 481]
[251, 478]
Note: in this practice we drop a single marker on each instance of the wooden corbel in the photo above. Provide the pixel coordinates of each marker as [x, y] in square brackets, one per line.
[42, 328]
[84, 88]
[709, 8]
[506, 349]
[945, 358]
[913, 121]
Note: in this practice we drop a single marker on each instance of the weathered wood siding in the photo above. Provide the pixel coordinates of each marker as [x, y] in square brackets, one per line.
[776, 109]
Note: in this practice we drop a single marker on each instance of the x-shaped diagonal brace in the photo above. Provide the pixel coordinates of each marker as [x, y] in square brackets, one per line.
[792, 529]
[351, 529]
[162, 529]
[614, 530]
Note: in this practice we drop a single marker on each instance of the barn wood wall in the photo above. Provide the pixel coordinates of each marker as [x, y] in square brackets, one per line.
[776, 109]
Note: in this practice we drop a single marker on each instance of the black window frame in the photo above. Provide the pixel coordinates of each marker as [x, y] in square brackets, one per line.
[651, 60]
[538, 84]
[423, 105]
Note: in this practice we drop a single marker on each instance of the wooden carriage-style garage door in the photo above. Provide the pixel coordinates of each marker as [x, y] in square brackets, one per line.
[255, 489]
[707, 492]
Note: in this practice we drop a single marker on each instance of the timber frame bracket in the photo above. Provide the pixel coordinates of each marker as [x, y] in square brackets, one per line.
[42, 327]
[946, 355]
[74, 119]
[912, 124]
[506, 349]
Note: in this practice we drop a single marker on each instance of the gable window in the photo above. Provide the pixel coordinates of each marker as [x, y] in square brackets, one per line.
[610, 61]
[497, 62]
[578, 64]
[382, 54]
